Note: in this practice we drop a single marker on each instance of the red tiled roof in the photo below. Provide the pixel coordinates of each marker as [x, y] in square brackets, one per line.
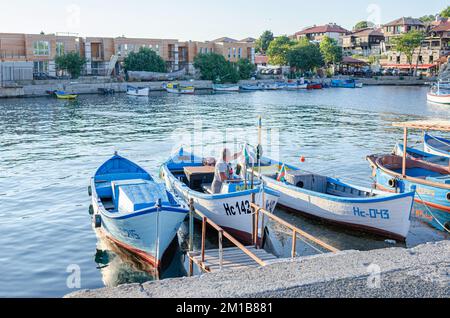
[442, 27]
[261, 59]
[368, 31]
[405, 21]
[323, 29]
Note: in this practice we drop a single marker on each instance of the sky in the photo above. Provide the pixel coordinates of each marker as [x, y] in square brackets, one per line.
[199, 20]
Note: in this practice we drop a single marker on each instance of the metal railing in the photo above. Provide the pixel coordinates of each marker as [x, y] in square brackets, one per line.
[222, 234]
[296, 232]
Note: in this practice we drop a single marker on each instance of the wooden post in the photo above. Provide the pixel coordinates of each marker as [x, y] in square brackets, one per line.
[256, 228]
[191, 225]
[294, 244]
[203, 239]
[191, 267]
[263, 232]
[405, 146]
[221, 249]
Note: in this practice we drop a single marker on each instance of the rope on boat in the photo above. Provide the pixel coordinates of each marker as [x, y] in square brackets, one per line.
[431, 213]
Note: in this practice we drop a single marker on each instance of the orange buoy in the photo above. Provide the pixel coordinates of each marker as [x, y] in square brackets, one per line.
[302, 159]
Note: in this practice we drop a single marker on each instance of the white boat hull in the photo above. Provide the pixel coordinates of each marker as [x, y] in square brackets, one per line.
[226, 88]
[139, 92]
[440, 99]
[180, 91]
[232, 211]
[389, 217]
[139, 233]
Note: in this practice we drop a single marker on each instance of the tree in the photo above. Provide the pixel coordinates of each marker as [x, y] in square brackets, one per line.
[445, 13]
[305, 56]
[407, 43]
[214, 67]
[278, 50]
[331, 51]
[71, 62]
[262, 44]
[145, 60]
[363, 25]
[427, 18]
[245, 68]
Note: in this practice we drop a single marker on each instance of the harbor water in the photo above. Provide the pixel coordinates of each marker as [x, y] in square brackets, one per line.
[50, 148]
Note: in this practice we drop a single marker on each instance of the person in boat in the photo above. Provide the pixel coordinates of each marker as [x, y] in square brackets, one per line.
[224, 171]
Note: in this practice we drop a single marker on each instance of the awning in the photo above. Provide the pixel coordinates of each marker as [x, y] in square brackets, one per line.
[437, 125]
[407, 66]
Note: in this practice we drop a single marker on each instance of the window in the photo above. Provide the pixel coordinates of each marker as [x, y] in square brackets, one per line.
[201, 50]
[41, 48]
[60, 50]
[229, 52]
[206, 50]
[40, 67]
[240, 52]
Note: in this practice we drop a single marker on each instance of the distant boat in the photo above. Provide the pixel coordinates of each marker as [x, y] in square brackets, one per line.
[338, 202]
[133, 210]
[176, 88]
[65, 95]
[345, 83]
[270, 87]
[439, 93]
[436, 145]
[314, 86]
[252, 87]
[225, 87]
[138, 91]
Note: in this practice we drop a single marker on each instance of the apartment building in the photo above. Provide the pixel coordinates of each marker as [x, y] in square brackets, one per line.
[317, 33]
[364, 42]
[104, 55]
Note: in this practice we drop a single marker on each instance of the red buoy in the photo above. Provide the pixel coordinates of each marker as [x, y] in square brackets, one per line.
[302, 159]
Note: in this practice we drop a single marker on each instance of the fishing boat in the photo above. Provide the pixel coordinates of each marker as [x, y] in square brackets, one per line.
[65, 95]
[138, 91]
[439, 93]
[429, 180]
[345, 83]
[252, 87]
[338, 202]
[416, 154]
[176, 88]
[225, 88]
[190, 177]
[269, 87]
[133, 210]
[436, 145]
[314, 86]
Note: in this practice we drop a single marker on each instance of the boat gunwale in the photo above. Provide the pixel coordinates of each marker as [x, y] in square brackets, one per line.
[427, 137]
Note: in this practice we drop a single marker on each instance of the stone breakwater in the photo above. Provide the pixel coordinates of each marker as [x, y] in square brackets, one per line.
[423, 271]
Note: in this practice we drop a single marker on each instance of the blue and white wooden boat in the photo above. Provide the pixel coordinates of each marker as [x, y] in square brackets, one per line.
[133, 210]
[251, 87]
[436, 145]
[345, 83]
[337, 202]
[416, 154]
[229, 209]
[439, 93]
[138, 91]
[225, 88]
[430, 181]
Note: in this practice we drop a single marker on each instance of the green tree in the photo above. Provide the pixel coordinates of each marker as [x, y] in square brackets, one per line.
[145, 60]
[331, 51]
[407, 43]
[246, 68]
[363, 25]
[305, 56]
[279, 49]
[427, 18]
[214, 67]
[71, 62]
[262, 44]
[445, 13]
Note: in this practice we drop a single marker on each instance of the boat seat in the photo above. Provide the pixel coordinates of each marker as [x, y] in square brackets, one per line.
[103, 182]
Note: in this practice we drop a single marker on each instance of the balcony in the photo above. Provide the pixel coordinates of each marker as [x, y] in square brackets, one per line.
[12, 54]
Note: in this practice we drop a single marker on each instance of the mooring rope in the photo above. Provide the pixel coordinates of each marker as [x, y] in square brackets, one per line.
[431, 213]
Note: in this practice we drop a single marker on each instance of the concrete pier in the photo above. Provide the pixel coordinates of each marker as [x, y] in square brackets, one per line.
[423, 271]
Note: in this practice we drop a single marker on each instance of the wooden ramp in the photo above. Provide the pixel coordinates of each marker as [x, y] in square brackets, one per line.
[232, 259]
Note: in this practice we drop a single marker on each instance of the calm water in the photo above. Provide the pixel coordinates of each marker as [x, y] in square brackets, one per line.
[50, 148]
